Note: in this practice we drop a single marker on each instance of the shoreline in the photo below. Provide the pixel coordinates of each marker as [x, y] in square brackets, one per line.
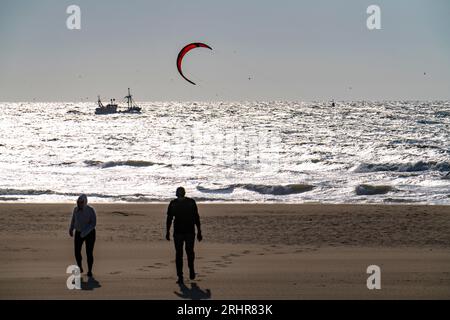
[231, 202]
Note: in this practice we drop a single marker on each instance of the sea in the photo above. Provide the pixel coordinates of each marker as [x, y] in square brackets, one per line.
[248, 151]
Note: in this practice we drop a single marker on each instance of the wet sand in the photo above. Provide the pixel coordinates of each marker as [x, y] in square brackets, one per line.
[250, 251]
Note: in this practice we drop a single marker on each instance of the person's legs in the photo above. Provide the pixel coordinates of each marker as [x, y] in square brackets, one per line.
[78, 243]
[179, 241]
[190, 240]
[90, 241]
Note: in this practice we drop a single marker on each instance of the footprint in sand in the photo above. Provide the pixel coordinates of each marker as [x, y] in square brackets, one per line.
[146, 268]
[157, 265]
[229, 256]
[121, 213]
[209, 268]
[221, 265]
[116, 272]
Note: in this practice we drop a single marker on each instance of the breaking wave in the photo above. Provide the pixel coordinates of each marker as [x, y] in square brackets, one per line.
[74, 112]
[369, 190]
[278, 190]
[442, 114]
[403, 167]
[223, 190]
[25, 192]
[33, 192]
[129, 163]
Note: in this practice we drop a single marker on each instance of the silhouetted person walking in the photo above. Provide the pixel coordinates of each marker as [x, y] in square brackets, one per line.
[83, 222]
[185, 212]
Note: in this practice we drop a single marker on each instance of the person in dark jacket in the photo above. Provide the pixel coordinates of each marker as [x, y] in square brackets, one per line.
[83, 222]
[184, 211]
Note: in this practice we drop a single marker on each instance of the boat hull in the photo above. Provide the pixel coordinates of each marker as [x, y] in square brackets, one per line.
[109, 109]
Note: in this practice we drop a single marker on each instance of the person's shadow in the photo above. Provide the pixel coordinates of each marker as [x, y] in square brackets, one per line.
[193, 293]
[90, 284]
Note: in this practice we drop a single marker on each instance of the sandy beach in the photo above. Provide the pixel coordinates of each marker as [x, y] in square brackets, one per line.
[250, 251]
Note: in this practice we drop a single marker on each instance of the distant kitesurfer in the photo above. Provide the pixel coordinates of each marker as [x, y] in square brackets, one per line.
[83, 222]
[185, 212]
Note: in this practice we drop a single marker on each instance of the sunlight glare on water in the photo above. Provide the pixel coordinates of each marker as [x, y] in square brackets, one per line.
[393, 151]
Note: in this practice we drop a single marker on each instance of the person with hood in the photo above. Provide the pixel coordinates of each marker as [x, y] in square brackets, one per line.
[83, 222]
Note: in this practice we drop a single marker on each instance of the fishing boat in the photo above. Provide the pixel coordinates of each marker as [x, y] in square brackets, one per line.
[132, 107]
[108, 109]
[112, 107]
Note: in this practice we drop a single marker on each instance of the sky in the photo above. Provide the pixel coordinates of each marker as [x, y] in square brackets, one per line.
[290, 50]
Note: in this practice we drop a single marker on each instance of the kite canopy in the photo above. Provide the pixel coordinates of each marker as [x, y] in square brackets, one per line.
[185, 50]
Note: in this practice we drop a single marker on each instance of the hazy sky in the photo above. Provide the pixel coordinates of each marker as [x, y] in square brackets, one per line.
[292, 50]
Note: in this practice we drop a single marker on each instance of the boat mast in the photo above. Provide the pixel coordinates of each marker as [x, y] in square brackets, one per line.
[99, 102]
[129, 100]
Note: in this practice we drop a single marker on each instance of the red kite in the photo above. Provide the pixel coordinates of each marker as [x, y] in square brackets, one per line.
[185, 50]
